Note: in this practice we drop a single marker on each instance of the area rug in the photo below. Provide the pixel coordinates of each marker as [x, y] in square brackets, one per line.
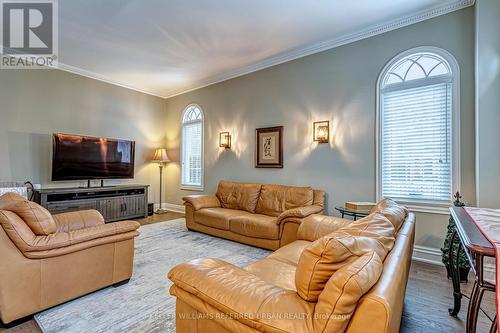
[144, 304]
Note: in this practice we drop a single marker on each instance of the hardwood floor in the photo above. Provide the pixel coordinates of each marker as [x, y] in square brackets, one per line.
[160, 218]
[428, 297]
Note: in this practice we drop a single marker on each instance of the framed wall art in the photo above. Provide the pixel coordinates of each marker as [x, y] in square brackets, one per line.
[269, 147]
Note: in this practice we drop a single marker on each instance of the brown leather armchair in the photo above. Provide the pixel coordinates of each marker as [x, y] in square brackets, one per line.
[48, 260]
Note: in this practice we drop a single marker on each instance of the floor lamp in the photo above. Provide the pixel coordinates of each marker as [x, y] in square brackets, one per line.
[160, 156]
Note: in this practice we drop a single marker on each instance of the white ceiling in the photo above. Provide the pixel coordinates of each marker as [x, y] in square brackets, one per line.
[166, 47]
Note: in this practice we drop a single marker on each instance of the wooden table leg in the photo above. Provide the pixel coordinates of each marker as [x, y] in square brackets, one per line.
[493, 328]
[455, 275]
[476, 296]
[474, 305]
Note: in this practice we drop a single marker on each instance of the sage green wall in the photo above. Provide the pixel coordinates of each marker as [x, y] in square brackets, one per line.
[338, 85]
[36, 103]
[488, 102]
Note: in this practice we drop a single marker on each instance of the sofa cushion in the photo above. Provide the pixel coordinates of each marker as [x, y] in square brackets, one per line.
[255, 225]
[241, 196]
[395, 213]
[318, 262]
[290, 253]
[275, 199]
[341, 295]
[325, 256]
[35, 216]
[319, 198]
[274, 271]
[216, 217]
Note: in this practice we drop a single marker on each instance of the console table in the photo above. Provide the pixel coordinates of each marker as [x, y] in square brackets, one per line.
[115, 203]
[475, 246]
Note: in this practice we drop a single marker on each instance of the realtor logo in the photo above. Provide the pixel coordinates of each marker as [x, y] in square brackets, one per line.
[29, 34]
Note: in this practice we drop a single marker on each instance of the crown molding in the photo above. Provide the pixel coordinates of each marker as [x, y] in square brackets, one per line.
[293, 54]
[85, 73]
[103, 78]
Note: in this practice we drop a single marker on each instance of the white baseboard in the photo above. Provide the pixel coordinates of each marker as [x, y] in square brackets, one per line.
[427, 254]
[171, 207]
[174, 208]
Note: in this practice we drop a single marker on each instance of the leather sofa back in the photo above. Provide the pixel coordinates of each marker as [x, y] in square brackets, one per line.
[266, 199]
[241, 196]
[382, 306]
[395, 213]
[275, 199]
[38, 219]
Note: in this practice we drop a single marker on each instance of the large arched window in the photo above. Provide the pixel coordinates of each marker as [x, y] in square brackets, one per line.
[417, 129]
[192, 148]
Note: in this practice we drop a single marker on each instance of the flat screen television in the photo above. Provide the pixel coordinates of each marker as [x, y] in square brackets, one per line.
[77, 157]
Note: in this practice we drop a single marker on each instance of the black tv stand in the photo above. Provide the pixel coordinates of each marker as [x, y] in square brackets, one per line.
[113, 202]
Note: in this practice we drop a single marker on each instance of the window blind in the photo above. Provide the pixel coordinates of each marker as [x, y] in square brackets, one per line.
[191, 154]
[416, 143]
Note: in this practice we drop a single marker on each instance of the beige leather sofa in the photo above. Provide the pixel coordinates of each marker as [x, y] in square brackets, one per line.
[47, 260]
[338, 276]
[262, 215]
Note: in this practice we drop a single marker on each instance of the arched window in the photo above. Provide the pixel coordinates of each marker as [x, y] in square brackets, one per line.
[192, 148]
[417, 129]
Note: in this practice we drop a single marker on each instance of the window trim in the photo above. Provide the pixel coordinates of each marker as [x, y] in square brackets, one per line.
[189, 187]
[421, 205]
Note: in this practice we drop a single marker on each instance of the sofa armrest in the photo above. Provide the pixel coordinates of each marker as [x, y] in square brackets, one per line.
[299, 212]
[241, 295]
[59, 243]
[316, 226]
[200, 201]
[70, 221]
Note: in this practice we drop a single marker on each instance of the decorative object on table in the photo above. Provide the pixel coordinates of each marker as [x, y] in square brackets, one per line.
[15, 187]
[351, 212]
[463, 263]
[225, 140]
[269, 147]
[321, 131]
[30, 190]
[160, 156]
[360, 205]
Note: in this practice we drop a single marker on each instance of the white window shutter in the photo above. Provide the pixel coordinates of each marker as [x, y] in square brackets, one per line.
[416, 148]
[192, 148]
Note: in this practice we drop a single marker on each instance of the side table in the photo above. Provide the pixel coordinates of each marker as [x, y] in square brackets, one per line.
[354, 213]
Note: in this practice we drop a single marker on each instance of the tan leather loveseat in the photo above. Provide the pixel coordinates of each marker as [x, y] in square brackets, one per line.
[266, 216]
[47, 260]
[338, 276]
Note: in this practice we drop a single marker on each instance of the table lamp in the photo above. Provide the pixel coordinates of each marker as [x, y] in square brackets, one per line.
[160, 156]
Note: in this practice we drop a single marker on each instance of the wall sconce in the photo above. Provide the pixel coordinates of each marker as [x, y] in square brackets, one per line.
[321, 131]
[225, 140]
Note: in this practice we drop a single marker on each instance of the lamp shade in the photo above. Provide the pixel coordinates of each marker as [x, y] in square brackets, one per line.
[160, 156]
